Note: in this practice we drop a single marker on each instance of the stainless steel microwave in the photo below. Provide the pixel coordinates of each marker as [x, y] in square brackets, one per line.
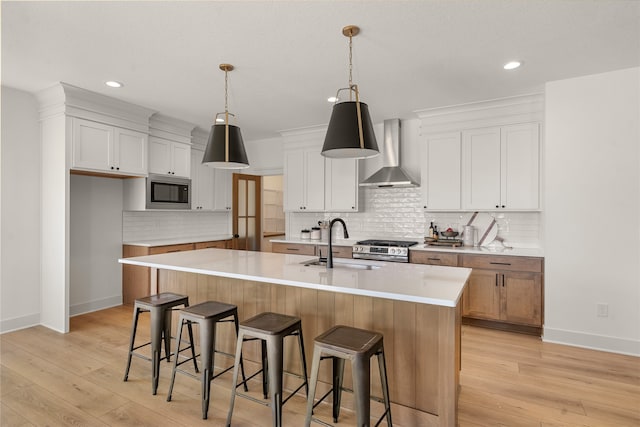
[165, 192]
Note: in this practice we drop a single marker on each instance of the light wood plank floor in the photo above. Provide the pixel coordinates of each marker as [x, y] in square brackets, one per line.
[507, 379]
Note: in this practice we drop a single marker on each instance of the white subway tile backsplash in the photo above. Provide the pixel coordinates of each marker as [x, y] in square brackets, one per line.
[397, 213]
[151, 225]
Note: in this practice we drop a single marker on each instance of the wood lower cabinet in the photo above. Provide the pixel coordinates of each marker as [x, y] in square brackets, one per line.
[504, 292]
[505, 289]
[338, 251]
[293, 248]
[219, 244]
[433, 258]
[136, 281]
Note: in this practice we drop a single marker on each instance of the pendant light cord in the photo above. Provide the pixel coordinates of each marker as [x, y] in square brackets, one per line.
[350, 65]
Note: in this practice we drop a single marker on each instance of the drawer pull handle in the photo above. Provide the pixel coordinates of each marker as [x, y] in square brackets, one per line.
[500, 263]
[433, 259]
[175, 250]
[293, 249]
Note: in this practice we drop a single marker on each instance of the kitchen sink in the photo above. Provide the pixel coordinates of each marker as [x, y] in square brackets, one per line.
[338, 264]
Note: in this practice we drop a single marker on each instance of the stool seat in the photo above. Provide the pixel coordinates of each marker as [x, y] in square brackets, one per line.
[271, 329]
[160, 307]
[208, 309]
[270, 323]
[349, 340]
[342, 343]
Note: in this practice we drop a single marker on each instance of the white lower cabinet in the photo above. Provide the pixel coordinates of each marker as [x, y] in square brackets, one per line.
[103, 148]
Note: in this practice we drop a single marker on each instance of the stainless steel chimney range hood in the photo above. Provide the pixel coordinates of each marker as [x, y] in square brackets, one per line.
[391, 174]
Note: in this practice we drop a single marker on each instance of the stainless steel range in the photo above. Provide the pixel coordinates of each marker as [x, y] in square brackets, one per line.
[383, 250]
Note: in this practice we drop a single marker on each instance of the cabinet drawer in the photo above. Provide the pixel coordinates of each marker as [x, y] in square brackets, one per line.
[338, 251]
[170, 248]
[220, 244]
[505, 263]
[433, 258]
[292, 248]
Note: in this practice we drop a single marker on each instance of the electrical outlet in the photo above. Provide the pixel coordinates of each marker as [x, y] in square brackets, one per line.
[602, 310]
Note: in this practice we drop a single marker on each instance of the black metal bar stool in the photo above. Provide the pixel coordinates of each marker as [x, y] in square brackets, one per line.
[160, 307]
[207, 315]
[271, 329]
[342, 343]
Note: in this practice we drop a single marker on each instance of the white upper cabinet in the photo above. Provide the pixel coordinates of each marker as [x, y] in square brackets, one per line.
[169, 157]
[440, 173]
[104, 148]
[501, 168]
[222, 191]
[520, 165]
[201, 183]
[341, 185]
[481, 168]
[304, 172]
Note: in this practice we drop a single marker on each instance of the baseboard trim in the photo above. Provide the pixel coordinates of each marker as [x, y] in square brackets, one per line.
[592, 341]
[17, 323]
[101, 304]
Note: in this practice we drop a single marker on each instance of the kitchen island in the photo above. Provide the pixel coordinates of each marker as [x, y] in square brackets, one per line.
[415, 307]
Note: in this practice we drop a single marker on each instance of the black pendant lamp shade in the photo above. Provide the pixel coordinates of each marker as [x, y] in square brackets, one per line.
[350, 132]
[225, 148]
[221, 155]
[350, 136]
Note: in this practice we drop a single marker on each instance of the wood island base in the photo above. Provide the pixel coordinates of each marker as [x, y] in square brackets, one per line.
[422, 341]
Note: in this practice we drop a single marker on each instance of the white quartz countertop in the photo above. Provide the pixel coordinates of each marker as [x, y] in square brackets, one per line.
[427, 284]
[476, 250]
[482, 250]
[178, 240]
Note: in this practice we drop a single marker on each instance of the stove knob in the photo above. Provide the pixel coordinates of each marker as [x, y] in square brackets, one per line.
[393, 251]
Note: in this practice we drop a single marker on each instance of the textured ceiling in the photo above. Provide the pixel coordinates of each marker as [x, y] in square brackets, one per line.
[291, 55]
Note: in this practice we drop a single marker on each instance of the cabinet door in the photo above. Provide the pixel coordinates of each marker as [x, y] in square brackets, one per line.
[482, 296]
[222, 191]
[341, 185]
[520, 158]
[521, 298]
[201, 183]
[130, 150]
[440, 173]
[92, 145]
[294, 186]
[314, 180]
[159, 156]
[481, 168]
[181, 160]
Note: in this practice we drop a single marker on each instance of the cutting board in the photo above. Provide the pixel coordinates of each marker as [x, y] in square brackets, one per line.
[486, 227]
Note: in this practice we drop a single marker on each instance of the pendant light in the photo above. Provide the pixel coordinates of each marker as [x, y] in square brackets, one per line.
[350, 132]
[225, 149]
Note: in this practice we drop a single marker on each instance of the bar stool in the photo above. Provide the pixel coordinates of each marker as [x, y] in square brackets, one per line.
[207, 315]
[271, 329]
[160, 307]
[342, 343]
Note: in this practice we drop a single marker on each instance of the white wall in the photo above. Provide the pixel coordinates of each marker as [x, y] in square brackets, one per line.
[592, 215]
[20, 217]
[96, 244]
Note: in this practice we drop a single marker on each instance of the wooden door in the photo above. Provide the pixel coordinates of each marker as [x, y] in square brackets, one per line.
[247, 217]
[482, 296]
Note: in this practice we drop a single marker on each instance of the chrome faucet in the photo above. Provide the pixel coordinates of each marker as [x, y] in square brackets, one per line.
[346, 236]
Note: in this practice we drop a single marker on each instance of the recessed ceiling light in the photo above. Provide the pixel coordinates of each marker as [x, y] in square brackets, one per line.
[332, 99]
[113, 83]
[219, 120]
[512, 65]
